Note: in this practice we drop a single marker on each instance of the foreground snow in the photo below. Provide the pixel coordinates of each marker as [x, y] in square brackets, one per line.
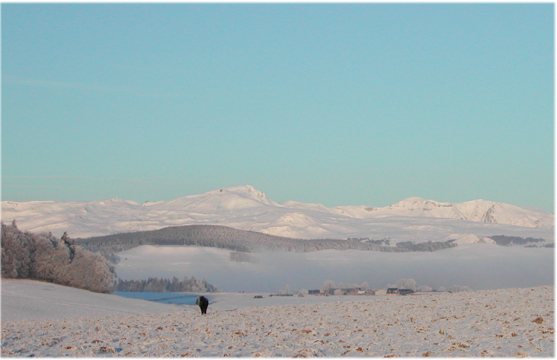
[509, 323]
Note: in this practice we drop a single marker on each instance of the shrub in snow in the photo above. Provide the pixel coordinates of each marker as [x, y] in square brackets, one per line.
[44, 257]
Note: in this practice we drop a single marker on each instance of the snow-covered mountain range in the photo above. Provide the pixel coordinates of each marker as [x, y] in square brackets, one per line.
[245, 208]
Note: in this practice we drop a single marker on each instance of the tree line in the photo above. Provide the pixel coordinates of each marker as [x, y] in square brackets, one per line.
[514, 240]
[44, 257]
[165, 285]
[238, 240]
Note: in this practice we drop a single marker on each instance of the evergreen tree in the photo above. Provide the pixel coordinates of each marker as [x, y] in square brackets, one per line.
[164, 285]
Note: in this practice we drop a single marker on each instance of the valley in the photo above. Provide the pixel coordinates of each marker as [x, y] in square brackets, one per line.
[479, 244]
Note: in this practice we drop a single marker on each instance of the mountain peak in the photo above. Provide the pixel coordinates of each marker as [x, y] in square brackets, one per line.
[240, 193]
[415, 201]
[242, 189]
[247, 191]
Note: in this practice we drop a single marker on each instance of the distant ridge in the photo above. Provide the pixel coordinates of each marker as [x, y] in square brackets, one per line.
[246, 208]
[224, 237]
[476, 210]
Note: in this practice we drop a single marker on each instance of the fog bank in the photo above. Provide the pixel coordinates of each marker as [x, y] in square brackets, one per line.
[479, 266]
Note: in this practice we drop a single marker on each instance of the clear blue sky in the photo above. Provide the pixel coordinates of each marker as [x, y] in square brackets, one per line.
[339, 104]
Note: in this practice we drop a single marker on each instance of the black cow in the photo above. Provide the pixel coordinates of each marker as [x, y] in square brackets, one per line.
[203, 304]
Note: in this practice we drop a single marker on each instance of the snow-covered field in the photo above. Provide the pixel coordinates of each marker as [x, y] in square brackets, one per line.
[508, 323]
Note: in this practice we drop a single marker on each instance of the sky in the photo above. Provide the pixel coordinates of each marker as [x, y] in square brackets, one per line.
[338, 104]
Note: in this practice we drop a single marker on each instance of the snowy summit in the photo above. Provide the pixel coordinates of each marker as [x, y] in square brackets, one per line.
[246, 208]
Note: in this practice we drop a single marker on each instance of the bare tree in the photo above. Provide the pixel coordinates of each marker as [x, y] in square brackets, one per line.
[327, 286]
[406, 284]
[286, 290]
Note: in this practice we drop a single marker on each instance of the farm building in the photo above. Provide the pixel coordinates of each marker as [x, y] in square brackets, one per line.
[392, 291]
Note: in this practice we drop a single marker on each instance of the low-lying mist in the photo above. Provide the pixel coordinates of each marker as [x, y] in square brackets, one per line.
[478, 266]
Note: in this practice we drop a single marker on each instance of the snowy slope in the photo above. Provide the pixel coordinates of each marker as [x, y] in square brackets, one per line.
[246, 208]
[503, 323]
[36, 300]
